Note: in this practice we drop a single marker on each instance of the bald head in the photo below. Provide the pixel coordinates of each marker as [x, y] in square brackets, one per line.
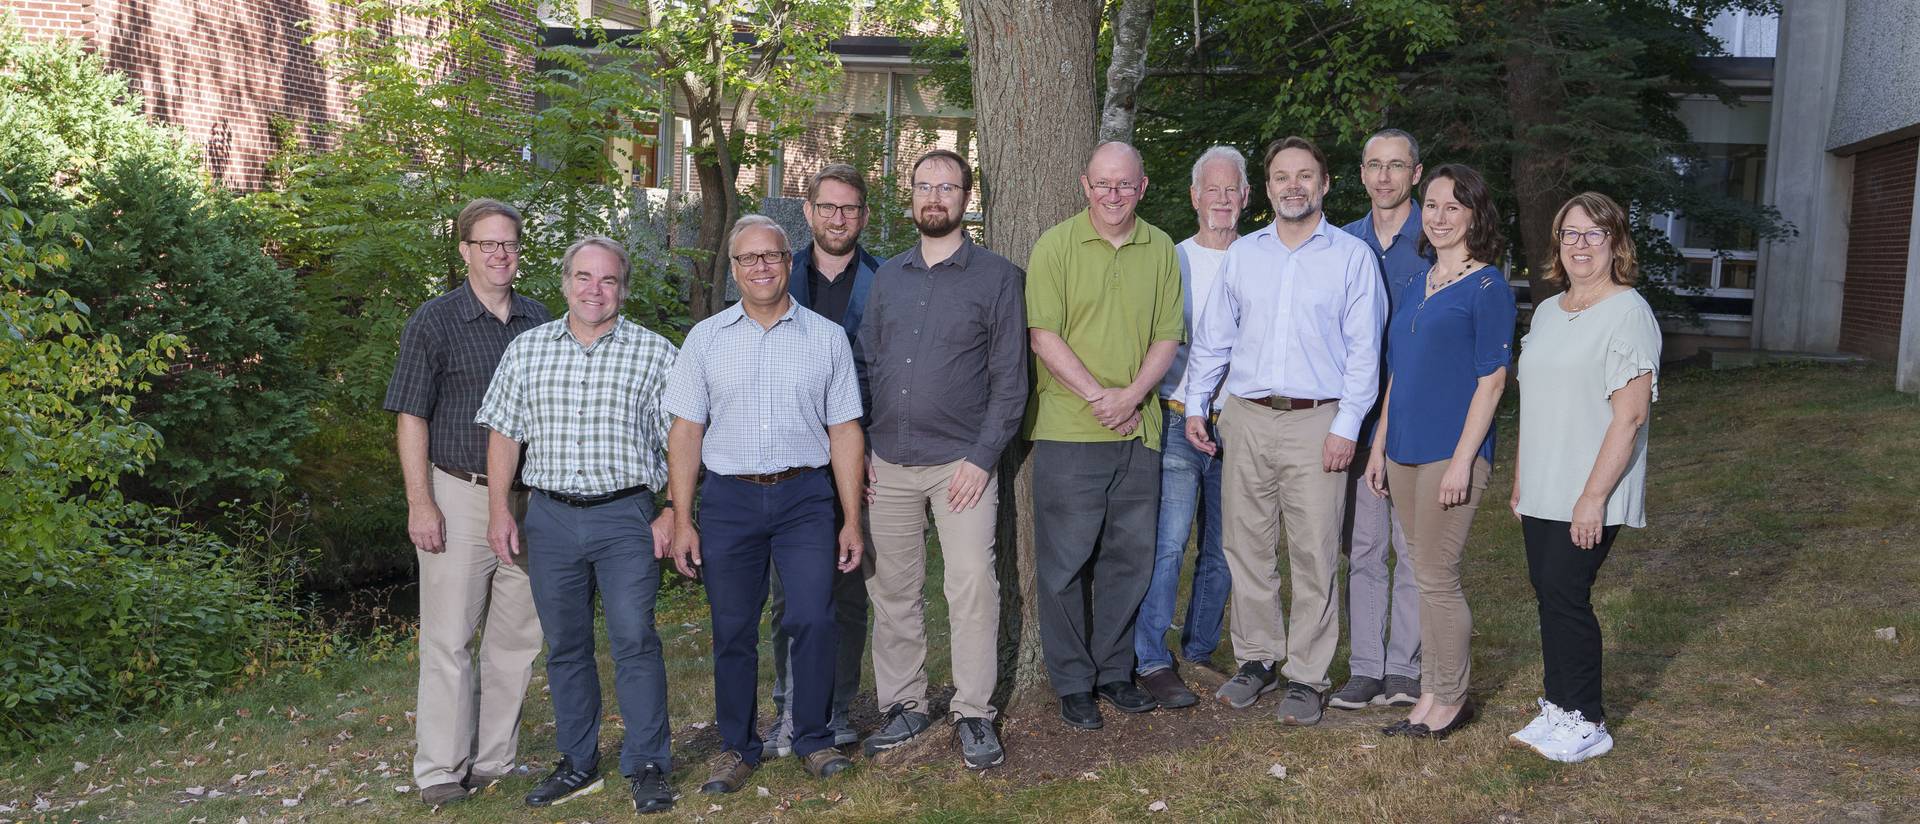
[1117, 152]
[1113, 183]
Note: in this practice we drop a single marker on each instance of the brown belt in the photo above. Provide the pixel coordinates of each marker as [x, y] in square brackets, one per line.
[469, 477]
[771, 478]
[1180, 409]
[1286, 404]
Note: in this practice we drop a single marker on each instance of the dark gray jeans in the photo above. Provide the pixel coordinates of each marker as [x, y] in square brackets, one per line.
[1096, 509]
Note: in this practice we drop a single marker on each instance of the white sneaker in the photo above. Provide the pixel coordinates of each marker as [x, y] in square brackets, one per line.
[1575, 739]
[1535, 732]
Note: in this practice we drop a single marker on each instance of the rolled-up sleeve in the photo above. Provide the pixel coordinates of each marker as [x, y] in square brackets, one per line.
[1361, 323]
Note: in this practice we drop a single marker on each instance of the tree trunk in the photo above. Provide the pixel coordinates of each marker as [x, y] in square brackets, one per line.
[1538, 165]
[719, 206]
[1132, 21]
[1033, 105]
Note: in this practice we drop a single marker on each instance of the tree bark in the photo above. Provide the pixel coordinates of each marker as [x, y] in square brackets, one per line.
[1033, 91]
[1132, 22]
[1539, 168]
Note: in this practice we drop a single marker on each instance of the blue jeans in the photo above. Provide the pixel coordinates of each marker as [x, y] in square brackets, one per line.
[574, 554]
[1189, 485]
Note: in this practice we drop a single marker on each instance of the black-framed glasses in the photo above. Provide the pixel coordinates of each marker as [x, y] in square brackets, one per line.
[751, 258]
[945, 189]
[848, 211]
[1394, 166]
[1127, 189]
[488, 247]
[1595, 237]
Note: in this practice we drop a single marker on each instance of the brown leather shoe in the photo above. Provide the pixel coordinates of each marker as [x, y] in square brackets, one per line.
[1167, 688]
[729, 771]
[440, 795]
[826, 762]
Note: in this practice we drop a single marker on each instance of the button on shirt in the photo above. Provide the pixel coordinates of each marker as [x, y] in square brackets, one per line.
[591, 417]
[766, 395]
[942, 354]
[448, 354]
[1298, 323]
[1401, 262]
[1199, 268]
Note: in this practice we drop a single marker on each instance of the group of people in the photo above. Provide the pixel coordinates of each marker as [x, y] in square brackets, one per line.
[1341, 383]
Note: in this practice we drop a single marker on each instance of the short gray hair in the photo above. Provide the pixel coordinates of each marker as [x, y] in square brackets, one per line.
[1226, 154]
[604, 243]
[1413, 146]
[756, 221]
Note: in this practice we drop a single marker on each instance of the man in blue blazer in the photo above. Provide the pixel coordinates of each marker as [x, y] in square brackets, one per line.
[831, 276]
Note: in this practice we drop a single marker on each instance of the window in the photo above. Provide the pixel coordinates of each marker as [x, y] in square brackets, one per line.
[1723, 262]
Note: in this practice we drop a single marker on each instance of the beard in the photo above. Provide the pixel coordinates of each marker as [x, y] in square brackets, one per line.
[934, 224]
[1305, 211]
[832, 247]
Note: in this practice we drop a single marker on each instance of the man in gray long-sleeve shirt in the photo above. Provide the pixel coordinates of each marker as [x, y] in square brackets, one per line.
[942, 358]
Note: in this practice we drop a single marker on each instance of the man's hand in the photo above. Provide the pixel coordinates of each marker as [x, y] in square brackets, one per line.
[1111, 407]
[964, 490]
[873, 477]
[851, 546]
[1336, 454]
[1197, 435]
[503, 536]
[663, 534]
[1127, 426]
[427, 527]
[686, 550]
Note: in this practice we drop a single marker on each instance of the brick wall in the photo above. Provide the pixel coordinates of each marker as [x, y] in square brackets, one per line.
[219, 69]
[1875, 289]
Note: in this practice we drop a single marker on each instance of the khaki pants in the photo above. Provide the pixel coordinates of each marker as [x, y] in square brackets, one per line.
[1436, 539]
[897, 573]
[1274, 473]
[468, 721]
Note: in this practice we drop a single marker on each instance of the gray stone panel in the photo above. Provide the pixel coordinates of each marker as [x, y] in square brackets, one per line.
[1879, 84]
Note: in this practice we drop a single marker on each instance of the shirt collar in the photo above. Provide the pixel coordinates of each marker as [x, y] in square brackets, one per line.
[1409, 229]
[1271, 232]
[958, 259]
[562, 330]
[1084, 232]
[738, 311]
[472, 309]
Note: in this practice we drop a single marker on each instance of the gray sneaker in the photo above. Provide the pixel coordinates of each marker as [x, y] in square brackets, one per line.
[778, 742]
[1399, 691]
[901, 724]
[979, 746]
[1359, 692]
[842, 728]
[1301, 707]
[1256, 678]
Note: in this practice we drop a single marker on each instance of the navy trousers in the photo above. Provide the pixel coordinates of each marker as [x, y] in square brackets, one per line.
[574, 553]
[742, 525]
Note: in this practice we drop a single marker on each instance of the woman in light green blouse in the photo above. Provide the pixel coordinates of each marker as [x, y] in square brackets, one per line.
[1588, 372]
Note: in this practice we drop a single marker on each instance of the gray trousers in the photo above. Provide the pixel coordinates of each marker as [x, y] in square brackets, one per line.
[1383, 607]
[1096, 510]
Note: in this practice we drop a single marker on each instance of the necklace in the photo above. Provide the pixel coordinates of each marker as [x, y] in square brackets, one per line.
[1413, 325]
[1566, 305]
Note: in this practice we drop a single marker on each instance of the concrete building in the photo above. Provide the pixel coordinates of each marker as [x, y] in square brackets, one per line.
[1843, 141]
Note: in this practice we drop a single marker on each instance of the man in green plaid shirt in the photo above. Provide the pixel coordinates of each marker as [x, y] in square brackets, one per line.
[583, 395]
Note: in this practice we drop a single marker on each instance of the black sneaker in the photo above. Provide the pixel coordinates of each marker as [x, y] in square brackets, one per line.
[979, 746]
[1256, 678]
[564, 785]
[901, 724]
[651, 792]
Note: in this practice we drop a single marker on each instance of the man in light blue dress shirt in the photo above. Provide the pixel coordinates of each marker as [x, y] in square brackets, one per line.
[1293, 326]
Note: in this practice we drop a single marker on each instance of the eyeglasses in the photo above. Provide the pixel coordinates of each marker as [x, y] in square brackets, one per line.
[1128, 189]
[924, 189]
[847, 212]
[488, 247]
[1595, 237]
[765, 258]
[1394, 166]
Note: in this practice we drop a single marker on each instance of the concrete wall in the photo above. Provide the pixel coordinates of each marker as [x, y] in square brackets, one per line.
[1878, 100]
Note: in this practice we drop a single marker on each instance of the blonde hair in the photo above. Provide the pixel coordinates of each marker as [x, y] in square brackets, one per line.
[1609, 216]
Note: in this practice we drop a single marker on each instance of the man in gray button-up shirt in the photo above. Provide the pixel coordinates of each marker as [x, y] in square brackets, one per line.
[943, 361]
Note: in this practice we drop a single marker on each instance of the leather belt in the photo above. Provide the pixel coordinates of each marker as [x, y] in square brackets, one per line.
[1180, 409]
[584, 501]
[1286, 404]
[469, 477]
[771, 478]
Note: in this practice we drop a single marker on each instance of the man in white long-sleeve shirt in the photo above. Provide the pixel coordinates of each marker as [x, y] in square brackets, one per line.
[1293, 325]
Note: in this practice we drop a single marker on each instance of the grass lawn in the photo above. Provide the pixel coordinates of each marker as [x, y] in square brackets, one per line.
[1745, 681]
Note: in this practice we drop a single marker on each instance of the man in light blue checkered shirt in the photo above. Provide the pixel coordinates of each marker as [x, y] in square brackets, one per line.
[765, 396]
[583, 395]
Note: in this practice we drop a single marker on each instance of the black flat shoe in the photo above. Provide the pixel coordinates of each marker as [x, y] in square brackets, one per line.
[1126, 697]
[1079, 710]
[1465, 717]
[1399, 727]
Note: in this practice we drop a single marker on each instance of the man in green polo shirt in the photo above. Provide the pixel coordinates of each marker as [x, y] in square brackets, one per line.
[1105, 318]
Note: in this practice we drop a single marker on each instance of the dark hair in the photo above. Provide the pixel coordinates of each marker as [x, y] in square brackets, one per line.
[1484, 241]
[966, 172]
[839, 172]
[1609, 216]
[485, 207]
[1294, 142]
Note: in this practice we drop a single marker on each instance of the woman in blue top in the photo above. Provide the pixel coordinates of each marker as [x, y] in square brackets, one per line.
[1448, 345]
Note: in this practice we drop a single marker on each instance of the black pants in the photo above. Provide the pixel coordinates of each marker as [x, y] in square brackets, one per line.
[1096, 509]
[1563, 576]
